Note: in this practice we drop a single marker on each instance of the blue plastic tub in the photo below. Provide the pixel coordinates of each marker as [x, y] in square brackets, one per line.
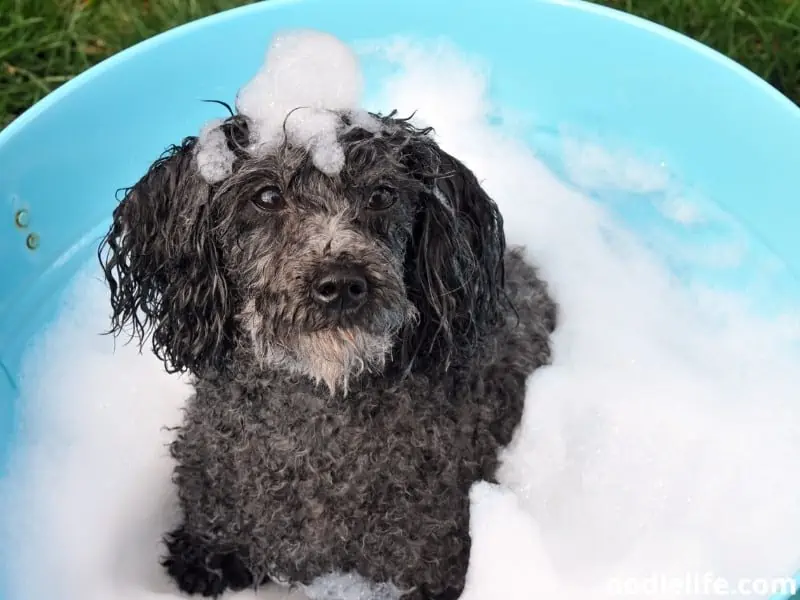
[602, 73]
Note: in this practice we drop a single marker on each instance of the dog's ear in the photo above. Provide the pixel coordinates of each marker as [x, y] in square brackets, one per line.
[455, 263]
[163, 265]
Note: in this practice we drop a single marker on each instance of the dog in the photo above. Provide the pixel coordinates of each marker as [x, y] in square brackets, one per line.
[359, 345]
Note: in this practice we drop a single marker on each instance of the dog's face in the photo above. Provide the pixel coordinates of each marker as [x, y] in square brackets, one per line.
[319, 261]
[394, 260]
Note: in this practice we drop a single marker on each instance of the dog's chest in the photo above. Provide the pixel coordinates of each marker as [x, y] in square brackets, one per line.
[372, 448]
[353, 439]
[313, 484]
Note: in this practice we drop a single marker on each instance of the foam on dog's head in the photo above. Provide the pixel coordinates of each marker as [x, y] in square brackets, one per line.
[302, 68]
[214, 158]
[308, 80]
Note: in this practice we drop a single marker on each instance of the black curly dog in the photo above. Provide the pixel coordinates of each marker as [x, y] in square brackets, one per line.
[359, 345]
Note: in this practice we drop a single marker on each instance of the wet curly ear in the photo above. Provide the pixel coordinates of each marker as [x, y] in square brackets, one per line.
[164, 268]
[455, 267]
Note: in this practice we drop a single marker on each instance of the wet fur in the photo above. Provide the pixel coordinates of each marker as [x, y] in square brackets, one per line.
[314, 444]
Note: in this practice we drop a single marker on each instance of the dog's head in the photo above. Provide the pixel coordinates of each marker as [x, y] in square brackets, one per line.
[396, 260]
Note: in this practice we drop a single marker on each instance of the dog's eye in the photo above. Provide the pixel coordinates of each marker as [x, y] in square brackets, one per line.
[381, 199]
[270, 198]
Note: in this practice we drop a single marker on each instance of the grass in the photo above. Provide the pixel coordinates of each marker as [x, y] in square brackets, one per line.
[44, 43]
[763, 35]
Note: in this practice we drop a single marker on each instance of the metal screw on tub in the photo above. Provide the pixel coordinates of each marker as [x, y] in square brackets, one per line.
[32, 241]
[22, 218]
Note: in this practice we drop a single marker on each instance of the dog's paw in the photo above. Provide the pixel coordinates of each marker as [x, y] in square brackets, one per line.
[198, 570]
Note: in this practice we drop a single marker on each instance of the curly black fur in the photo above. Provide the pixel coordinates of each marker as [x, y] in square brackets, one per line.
[163, 266]
[197, 571]
[278, 478]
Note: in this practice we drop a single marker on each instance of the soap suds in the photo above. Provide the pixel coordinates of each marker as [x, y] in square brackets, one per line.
[306, 78]
[214, 158]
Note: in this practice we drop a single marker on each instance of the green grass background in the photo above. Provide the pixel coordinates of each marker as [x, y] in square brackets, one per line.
[44, 43]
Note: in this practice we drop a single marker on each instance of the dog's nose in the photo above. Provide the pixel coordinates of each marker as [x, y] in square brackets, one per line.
[341, 289]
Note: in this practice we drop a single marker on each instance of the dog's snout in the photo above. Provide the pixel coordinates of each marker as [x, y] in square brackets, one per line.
[340, 289]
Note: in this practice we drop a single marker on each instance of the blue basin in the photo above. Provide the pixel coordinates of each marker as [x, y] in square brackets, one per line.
[602, 73]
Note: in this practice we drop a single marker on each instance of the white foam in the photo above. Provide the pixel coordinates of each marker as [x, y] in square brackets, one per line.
[591, 166]
[663, 437]
[90, 495]
[507, 558]
[214, 158]
[681, 210]
[305, 76]
[366, 121]
[350, 586]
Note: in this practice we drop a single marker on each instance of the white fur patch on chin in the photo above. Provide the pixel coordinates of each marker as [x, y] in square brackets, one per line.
[330, 356]
[334, 356]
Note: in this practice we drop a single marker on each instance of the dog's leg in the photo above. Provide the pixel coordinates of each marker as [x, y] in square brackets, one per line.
[199, 569]
[454, 588]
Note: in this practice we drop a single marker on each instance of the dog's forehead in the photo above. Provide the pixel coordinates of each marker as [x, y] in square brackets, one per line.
[371, 150]
[368, 160]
